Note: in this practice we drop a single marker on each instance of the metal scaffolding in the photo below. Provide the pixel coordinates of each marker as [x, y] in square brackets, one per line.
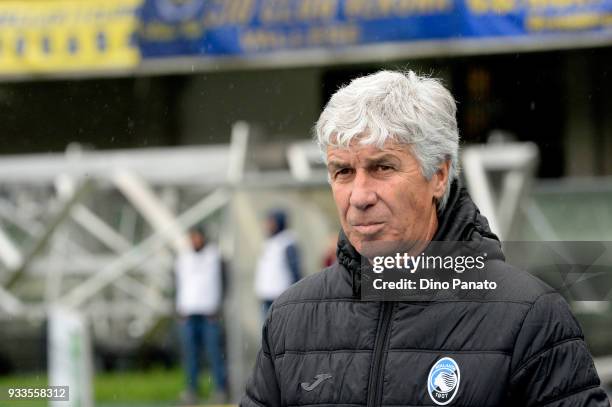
[96, 232]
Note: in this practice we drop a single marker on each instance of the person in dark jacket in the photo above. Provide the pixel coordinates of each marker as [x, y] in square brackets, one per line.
[391, 145]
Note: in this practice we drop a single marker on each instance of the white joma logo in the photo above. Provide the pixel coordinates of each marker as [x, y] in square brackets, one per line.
[318, 380]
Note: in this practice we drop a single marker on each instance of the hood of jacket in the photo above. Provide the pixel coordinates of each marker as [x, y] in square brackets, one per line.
[459, 221]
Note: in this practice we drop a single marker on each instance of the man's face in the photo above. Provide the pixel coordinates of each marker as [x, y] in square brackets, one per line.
[271, 226]
[381, 194]
[197, 240]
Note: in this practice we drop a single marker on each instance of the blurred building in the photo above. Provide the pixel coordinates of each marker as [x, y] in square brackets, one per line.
[187, 70]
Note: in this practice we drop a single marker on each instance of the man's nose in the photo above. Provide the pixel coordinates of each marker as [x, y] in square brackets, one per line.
[363, 194]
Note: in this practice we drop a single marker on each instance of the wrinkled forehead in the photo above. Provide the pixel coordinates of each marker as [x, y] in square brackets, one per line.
[358, 149]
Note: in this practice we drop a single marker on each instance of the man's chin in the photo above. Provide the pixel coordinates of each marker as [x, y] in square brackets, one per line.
[373, 246]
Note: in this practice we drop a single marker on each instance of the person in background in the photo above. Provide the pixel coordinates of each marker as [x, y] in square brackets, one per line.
[198, 302]
[279, 263]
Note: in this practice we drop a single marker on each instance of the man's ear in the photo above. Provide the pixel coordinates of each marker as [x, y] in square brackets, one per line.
[440, 179]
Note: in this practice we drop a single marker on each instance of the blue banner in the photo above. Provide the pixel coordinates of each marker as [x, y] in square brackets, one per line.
[250, 27]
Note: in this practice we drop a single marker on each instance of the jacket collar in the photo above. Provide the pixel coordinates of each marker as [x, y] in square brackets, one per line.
[459, 221]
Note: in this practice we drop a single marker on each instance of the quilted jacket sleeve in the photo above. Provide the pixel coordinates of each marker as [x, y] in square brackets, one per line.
[262, 388]
[551, 365]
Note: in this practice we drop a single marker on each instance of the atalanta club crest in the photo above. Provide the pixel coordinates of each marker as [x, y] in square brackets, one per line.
[443, 381]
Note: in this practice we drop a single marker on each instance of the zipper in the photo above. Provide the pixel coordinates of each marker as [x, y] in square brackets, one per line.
[376, 380]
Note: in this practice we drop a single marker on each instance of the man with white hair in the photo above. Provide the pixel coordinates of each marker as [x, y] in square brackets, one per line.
[391, 143]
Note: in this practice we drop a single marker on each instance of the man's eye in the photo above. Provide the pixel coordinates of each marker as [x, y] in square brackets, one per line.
[384, 168]
[343, 172]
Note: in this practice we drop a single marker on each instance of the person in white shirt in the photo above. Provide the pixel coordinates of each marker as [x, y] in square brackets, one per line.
[279, 264]
[198, 304]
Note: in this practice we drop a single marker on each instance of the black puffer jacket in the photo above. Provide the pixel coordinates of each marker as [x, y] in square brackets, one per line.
[519, 346]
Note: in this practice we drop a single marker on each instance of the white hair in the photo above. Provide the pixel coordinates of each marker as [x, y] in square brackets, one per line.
[399, 106]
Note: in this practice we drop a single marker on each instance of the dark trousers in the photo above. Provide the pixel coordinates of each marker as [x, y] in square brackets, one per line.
[202, 333]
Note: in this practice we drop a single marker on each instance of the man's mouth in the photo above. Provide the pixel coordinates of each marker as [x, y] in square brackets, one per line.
[369, 228]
